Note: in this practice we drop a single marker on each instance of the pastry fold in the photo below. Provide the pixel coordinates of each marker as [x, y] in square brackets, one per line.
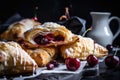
[83, 47]
[16, 30]
[14, 60]
[48, 34]
[43, 56]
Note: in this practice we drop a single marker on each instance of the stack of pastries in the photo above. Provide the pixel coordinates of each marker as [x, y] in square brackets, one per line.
[14, 60]
[30, 43]
[16, 30]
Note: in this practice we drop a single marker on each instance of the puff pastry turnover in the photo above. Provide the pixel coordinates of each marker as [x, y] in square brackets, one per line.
[16, 30]
[49, 34]
[43, 55]
[14, 60]
[81, 48]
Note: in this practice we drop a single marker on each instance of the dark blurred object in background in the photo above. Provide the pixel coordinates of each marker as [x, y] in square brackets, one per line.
[51, 10]
[76, 24]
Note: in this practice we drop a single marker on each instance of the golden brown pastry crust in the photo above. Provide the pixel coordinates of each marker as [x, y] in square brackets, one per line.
[14, 59]
[43, 56]
[16, 30]
[81, 48]
[46, 28]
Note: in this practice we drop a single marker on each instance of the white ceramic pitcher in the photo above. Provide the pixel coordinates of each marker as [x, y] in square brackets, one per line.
[101, 31]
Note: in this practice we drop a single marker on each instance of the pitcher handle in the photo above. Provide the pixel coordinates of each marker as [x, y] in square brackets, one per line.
[118, 31]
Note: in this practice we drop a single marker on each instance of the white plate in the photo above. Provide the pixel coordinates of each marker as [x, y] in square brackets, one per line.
[61, 69]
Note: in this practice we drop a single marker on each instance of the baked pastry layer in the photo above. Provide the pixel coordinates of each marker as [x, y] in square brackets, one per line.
[43, 56]
[83, 47]
[49, 34]
[16, 30]
[14, 60]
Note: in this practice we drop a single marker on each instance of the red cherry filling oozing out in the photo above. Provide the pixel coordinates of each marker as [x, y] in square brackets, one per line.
[40, 39]
[46, 39]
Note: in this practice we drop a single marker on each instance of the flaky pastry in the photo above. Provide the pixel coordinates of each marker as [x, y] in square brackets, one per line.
[49, 34]
[16, 30]
[83, 47]
[14, 60]
[43, 56]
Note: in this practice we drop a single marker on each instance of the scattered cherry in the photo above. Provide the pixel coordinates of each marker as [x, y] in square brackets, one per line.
[55, 63]
[50, 66]
[72, 63]
[92, 60]
[112, 61]
[109, 47]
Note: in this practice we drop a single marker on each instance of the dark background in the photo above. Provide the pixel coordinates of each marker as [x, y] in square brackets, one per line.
[51, 10]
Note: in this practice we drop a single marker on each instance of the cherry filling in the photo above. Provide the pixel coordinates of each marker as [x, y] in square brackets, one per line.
[59, 38]
[46, 39]
[41, 40]
[50, 37]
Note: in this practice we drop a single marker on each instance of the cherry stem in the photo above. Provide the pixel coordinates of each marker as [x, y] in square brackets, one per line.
[116, 52]
[86, 31]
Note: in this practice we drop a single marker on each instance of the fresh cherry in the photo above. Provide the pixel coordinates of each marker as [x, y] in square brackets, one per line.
[109, 47]
[72, 63]
[112, 61]
[55, 63]
[50, 66]
[92, 60]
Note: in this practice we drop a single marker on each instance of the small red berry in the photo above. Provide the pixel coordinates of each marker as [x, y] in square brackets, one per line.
[92, 60]
[112, 61]
[50, 66]
[55, 63]
[72, 63]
